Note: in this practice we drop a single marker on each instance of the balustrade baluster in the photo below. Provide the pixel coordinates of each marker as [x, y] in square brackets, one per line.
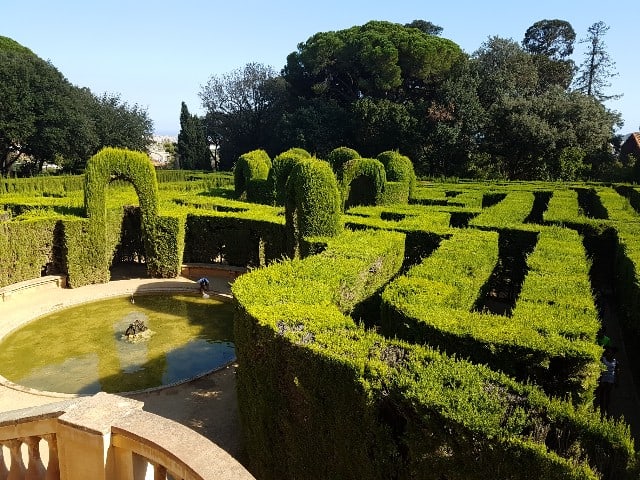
[35, 470]
[159, 472]
[4, 473]
[17, 470]
[53, 467]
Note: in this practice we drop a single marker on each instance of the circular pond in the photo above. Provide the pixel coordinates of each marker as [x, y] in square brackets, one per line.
[84, 349]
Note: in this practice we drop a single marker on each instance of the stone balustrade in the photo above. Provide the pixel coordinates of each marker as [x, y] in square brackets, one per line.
[106, 437]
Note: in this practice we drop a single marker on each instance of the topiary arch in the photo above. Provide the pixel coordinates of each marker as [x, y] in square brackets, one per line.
[135, 167]
[363, 182]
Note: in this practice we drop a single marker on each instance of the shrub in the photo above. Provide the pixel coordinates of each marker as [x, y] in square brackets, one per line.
[313, 202]
[135, 167]
[399, 168]
[250, 166]
[338, 157]
[363, 182]
[280, 171]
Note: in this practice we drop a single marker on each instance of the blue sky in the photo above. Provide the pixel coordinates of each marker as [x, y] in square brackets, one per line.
[158, 53]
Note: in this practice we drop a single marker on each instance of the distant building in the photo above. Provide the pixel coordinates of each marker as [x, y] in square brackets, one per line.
[630, 147]
[160, 157]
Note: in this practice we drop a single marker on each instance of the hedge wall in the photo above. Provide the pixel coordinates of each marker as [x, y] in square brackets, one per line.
[312, 386]
[239, 242]
[399, 169]
[338, 157]
[132, 166]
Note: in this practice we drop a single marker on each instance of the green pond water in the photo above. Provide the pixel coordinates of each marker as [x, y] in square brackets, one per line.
[84, 350]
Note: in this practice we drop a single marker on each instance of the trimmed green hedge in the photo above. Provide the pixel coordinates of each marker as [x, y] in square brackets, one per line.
[279, 173]
[432, 304]
[312, 386]
[136, 167]
[338, 157]
[212, 238]
[626, 222]
[363, 182]
[399, 169]
[44, 185]
[511, 212]
[251, 166]
[313, 202]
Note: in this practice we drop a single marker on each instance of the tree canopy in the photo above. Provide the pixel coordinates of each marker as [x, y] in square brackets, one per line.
[44, 118]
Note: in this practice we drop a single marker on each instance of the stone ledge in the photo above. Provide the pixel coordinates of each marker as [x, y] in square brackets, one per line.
[48, 281]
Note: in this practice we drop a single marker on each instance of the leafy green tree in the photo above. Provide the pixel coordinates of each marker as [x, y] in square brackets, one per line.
[369, 87]
[597, 68]
[504, 71]
[44, 118]
[459, 118]
[425, 26]
[552, 38]
[243, 108]
[193, 148]
[38, 114]
[551, 43]
[528, 137]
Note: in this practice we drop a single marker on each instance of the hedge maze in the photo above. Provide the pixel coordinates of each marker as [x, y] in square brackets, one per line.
[388, 328]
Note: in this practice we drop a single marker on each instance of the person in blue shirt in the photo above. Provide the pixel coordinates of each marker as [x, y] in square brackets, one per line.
[204, 285]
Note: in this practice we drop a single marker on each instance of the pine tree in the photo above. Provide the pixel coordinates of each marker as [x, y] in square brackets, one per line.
[597, 68]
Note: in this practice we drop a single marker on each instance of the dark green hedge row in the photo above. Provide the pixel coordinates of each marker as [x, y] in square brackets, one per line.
[54, 245]
[239, 242]
[312, 202]
[399, 169]
[313, 386]
[28, 250]
[626, 221]
[338, 157]
[363, 182]
[45, 185]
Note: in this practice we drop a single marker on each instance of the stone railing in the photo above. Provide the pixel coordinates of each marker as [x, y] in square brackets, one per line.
[106, 437]
[28, 286]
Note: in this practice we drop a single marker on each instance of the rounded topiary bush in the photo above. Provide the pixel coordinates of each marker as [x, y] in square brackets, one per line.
[363, 182]
[339, 156]
[298, 151]
[281, 169]
[399, 169]
[312, 206]
[250, 166]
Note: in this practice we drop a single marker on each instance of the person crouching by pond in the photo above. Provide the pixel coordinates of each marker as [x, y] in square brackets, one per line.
[608, 379]
[203, 284]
